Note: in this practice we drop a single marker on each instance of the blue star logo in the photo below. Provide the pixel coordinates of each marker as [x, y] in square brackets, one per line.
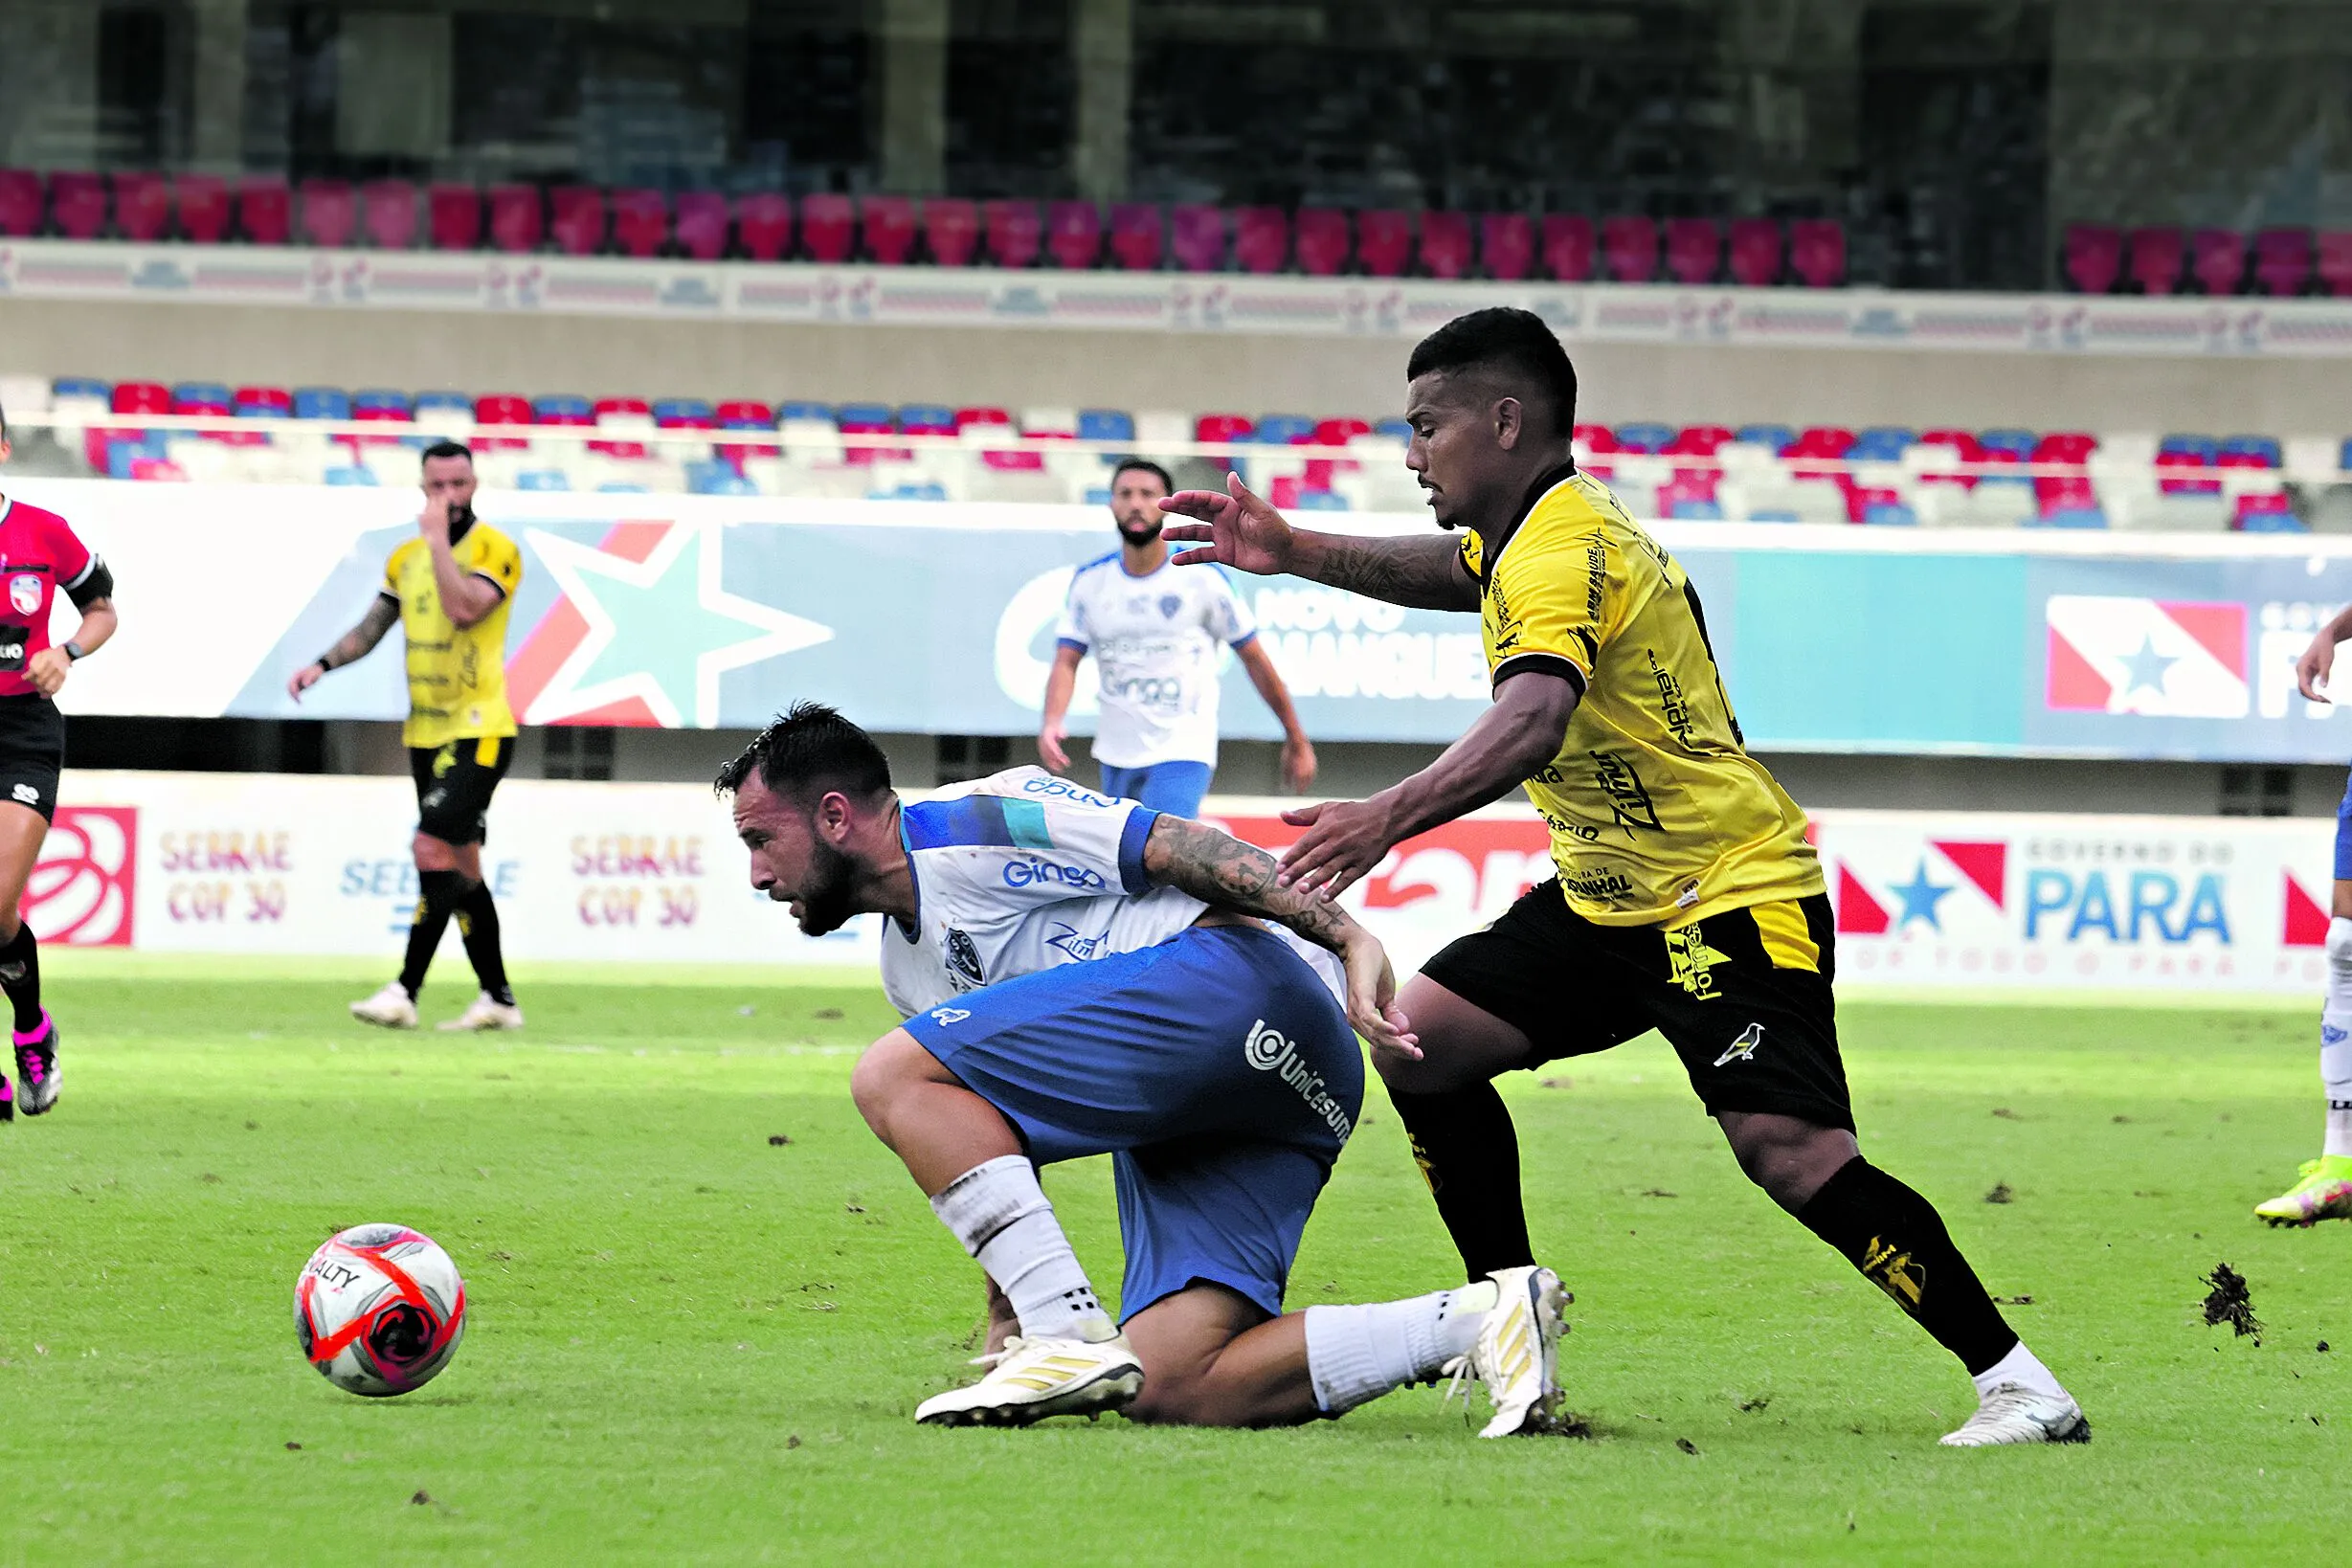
[662, 631]
[2146, 667]
[1920, 897]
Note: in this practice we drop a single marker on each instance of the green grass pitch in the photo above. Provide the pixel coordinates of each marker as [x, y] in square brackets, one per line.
[689, 1343]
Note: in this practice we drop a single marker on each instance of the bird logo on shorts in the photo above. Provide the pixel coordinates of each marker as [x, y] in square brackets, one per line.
[1742, 1049]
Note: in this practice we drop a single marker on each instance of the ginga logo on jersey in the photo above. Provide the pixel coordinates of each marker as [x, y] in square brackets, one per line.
[1268, 1050]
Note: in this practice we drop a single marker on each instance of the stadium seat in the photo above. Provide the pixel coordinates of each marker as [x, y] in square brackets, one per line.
[950, 231]
[2017, 444]
[2072, 517]
[1817, 252]
[1338, 432]
[450, 403]
[2217, 260]
[503, 409]
[2065, 446]
[886, 229]
[327, 214]
[764, 225]
[1505, 245]
[1384, 242]
[1393, 429]
[263, 403]
[322, 403]
[1323, 241]
[20, 203]
[1447, 245]
[388, 213]
[713, 477]
[699, 226]
[1644, 436]
[352, 473]
[1284, 429]
[2269, 511]
[1106, 425]
[2250, 451]
[77, 204]
[538, 478]
[926, 419]
[1890, 514]
[141, 398]
[382, 405]
[1776, 439]
[142, 206]
[207, 397]
[577, 218]
[1260, 239]
[1138, 235]
[200, 207]
[1013, 231]
[804, 414]
[983, 417]
[1699, 440]
[828, 227]
[1693, 251]
[2335, 261]
[2157, 255]
[641, 222]
[1630, 246]
[2283, 261]
[1756, 252]
[744, 413]
[563, 408]
[1197, 237]
[1880, 443]
[1224, 428]
[264, 209]
[1568, 246]
[1074, 234]
[518, 218]
[683, 414]
[453, 216]
[2094, 256]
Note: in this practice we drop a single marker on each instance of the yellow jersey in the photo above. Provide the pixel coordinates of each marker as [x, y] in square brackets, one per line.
[1658, 815]
[457, 674]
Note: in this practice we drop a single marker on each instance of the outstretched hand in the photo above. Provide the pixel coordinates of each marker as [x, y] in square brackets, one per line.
[1237, 529]
[1344, 841]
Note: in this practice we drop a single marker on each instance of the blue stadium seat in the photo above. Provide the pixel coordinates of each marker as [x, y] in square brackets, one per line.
[2018, 442]
[1106, 425]
[122, 453]
[1891, 514]
[1693, 510]
[542, 479]
[617, 487]
[930, 491]
[351, 474]
[562, 406]
[1881, 444]
[443, 402]
[1779, 437]
[713, 478]
[1285, 429]
[383, 400]
[874, 416]
[1395, 430]
[2344, 454]
[2205, 447]
[1774, 514]
[2072, 517]
[2271, 523]
[206, 393]
[803, 411]
[1645, 435]
[322, 403]
[927, 419]
[680, 408]
[1098, 496]
[2265, 447]
[263, 411]
[1322, 501]
[80, 386]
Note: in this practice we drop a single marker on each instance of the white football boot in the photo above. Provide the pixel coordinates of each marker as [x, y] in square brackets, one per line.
[390, 1008]
[487, 1013]
[1516, 1354]
[2013, 1413]
[1034, 1380]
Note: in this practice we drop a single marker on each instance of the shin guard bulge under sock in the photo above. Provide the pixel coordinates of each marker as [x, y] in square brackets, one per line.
[439, 894]
[1898, 1241]
[20, 974]
[1470, 1153]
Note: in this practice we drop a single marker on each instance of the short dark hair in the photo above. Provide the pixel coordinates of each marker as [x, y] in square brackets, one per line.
[1515, 342]
[446, 449]
[1142, 465]
[809, 751]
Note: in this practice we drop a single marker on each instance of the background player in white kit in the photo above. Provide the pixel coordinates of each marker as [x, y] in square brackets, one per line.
[2323, 1189]
[1155, 633]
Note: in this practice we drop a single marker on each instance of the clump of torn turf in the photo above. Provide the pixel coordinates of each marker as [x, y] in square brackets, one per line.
[2231, 1302]
[2002, 1193]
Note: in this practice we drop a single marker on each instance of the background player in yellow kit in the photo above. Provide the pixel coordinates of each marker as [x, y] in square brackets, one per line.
[450, 589]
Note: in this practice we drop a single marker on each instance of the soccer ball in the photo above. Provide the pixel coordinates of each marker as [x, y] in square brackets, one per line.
[379, 1310]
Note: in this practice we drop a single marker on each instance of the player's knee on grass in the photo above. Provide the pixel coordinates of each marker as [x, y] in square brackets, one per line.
[1188, 1380]
[1787, 1156]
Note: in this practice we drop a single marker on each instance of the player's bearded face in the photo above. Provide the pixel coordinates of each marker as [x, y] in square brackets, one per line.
[824, 901]
[1137, 511]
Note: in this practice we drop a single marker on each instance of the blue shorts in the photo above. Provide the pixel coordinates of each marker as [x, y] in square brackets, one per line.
[2343, 837]
[1172, 787]
[1216, 1069]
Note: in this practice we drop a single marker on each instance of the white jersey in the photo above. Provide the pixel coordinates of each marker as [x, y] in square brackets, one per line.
[1154, 641]
[1026, 872]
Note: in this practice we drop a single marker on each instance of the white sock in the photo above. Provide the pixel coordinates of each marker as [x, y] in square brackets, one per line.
[1355, 1353]
[2336, 1038]
[1002, 1214]
[2020, 1366]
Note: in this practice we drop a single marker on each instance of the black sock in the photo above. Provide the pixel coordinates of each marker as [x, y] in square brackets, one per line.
[477, 924]
[21, 972]
[1467, 1148]
[1898, 1239]
[439, 894]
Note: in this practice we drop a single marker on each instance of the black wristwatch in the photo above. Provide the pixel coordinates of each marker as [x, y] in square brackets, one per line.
[75, 653]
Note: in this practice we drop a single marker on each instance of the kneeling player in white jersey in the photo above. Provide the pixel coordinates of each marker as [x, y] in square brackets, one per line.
[1082, 976]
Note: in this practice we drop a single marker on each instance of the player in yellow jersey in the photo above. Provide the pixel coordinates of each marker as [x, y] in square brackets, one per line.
[449, 588]
[1687, 900]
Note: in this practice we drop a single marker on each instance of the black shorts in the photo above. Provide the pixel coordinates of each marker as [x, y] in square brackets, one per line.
[31, 750]
[454, 786]
[1745, 997]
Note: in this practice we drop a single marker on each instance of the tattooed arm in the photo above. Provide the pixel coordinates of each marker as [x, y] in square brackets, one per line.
[1242, 532]
[1225, 873]
[353, 646]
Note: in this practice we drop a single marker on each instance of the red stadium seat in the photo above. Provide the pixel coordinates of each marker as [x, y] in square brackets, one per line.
[1817, 252]
[2157, 255]
[2283, 261]
[1323, 241]
[1699, 440]
[328, 214]
[2335, 261]
[77, 204]
[700, 224]
[1693, 251]
[1260, 239]
[2065, 446]
[389, 213]
[950, 230]
[1138, 235]
[1629, 244]
[577, 218]
[2217, 260]
[984, 416]
[142, 206]
[141, 398]
[641, 222]
[1756, 252]
[626, 407]
[264, 209]
[1568, 246]
[1217, 429]
[1383, 241]
[886, 229]
[275, 398]
[764, 224]
[2174, 470]
[1074, 234]
[1338, 432]
[453, 217]
[1596, 442]
[1445, 244]
[2094, 256]
[743, 411]
[518, 218]
[20, 203]
[1198, 238]
[502, 409]
[1507, 246]
[1962, 445]
[1014, 232]
[828, 226]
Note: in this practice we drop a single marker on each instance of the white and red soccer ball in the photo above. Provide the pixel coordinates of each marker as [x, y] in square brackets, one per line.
[379, 1310]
